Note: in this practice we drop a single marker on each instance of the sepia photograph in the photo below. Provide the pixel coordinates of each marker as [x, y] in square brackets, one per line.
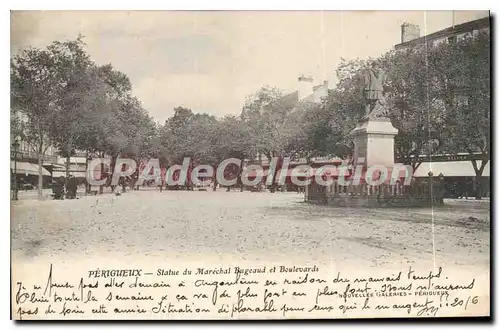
[243, 165]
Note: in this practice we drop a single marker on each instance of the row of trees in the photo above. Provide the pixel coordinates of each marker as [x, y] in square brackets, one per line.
[69, 102]
[438, 98]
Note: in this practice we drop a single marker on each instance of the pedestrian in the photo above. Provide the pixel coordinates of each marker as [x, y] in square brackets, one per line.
[67, 188]
[122, 183]
[58, 188]
[74, 186]
[71, 187]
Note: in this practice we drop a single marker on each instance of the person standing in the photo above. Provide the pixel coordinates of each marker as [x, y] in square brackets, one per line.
[71, 187]
[58, 188]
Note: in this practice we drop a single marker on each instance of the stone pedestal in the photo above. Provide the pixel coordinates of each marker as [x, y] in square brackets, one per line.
[374, 141]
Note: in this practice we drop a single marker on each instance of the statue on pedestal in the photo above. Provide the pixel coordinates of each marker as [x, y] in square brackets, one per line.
[374, 93]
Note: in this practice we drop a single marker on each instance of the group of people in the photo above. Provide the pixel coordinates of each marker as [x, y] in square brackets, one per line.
[466, 188]
[63, 188]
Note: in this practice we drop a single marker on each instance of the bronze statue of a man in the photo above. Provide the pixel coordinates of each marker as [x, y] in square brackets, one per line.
[374, 87]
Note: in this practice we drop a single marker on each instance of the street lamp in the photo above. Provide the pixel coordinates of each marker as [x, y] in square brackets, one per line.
[15, 145]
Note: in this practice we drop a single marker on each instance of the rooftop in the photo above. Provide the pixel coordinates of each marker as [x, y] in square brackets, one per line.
[453, 30]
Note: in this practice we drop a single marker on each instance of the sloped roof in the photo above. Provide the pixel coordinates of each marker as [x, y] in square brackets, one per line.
[290, 99]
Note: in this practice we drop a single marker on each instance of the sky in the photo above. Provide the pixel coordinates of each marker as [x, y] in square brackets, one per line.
[210, 61]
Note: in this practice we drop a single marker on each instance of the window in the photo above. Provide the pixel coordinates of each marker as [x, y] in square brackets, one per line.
[437, 42]
[464, 36]
[462, 100]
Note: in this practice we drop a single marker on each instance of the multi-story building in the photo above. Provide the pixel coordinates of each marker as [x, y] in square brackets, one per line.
[54, 165]
[25, 161]
[77, 166]
[410, 33]
[457, 169]
[306, 92]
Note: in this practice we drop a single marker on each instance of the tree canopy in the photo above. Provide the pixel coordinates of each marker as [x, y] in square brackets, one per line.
[435, 95]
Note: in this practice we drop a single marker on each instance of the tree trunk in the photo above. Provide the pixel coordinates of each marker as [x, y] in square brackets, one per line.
[101, 188]
[477, 180]
[68, 158]
[87, 185]
[40, 176]
[274, 185]
[415, 166]
[214, 179]
[67, 166]
[112, 170]
[478, 191]
[240, 179]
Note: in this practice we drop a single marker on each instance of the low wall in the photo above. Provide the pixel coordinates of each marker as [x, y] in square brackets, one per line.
[425, 192]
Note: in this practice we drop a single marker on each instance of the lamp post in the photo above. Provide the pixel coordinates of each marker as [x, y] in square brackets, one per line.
[15, 145]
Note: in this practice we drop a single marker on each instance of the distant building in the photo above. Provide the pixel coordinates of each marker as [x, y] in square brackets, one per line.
[457, 169]
[410, 33]
[77, 166]
[458, 173]
[25, 161]
[306, 92]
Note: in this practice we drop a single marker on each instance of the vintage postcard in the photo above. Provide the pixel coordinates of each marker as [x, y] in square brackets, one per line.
[250, 164]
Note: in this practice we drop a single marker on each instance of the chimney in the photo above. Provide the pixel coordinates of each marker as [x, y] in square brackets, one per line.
[409, 32]
[305, 86]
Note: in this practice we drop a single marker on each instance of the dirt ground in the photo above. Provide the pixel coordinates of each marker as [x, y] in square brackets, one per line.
[249, 226]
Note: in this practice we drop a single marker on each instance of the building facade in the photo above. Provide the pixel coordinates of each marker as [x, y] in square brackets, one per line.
[410, 34]
[77, 166]
[24, 161]
[458, 171]
[306, 91]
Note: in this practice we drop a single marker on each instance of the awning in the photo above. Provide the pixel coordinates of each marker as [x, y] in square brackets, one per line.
[58, 167]
[72, 160]
[451, 169]
[24, 168]
[75, 174]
